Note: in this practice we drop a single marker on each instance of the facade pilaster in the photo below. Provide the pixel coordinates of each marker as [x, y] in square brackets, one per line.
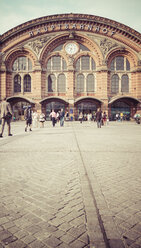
[2, 81]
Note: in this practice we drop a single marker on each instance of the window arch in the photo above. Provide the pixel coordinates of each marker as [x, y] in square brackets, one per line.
[115, 84]
[17, 83]
[27, 83]
[90, 83]
[124, 83]
[61, 83]
[80, 83]
[51, 83]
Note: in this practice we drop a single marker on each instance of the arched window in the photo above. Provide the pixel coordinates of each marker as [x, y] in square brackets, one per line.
[124, 83]
[80, 83]
[22, 64]
[27, 83]
[17, 83]
[61, 83]
[90, 83]
[56, 63]
[85, 63]
[51, 83]
[120, 63]
[115, 84]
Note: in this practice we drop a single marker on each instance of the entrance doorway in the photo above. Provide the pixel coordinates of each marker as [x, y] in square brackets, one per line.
[56, 105]
[120, 107]
[87, 107]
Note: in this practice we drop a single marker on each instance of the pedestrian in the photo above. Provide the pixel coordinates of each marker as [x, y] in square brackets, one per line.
[28, 118]
[67, 116]
[104, 118]
[42, 119]
[35, 118]
[80, 117]
[99, 117]
[53, 117]
[6, 116]
[62, 115]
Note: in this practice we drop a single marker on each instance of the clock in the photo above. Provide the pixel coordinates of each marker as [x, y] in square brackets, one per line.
[71, 48]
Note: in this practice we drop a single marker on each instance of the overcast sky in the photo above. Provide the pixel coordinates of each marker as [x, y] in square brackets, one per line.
[15, 12]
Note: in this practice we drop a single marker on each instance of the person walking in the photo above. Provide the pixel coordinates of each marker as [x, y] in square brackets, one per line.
[80, 117]
[53, 117]
[28, 118]
[99, 117]
[62, 114]
[42, 119]
[6, 116]
[35, 118]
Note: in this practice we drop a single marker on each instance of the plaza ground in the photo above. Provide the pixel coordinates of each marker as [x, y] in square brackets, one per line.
[71, 187]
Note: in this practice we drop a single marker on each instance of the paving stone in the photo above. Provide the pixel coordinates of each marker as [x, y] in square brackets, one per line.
[43, 186]
[52, 241]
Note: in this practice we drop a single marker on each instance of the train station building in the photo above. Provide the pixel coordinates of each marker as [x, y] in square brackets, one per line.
[78, 62]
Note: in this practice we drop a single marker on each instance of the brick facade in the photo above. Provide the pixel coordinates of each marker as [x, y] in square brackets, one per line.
[98, 38]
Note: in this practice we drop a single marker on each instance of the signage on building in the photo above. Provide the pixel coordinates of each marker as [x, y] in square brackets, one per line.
[72, 26]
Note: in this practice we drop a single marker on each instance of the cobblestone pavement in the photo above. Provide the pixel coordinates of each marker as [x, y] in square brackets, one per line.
[71, 187]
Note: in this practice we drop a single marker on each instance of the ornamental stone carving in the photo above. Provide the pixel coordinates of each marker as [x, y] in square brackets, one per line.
[38, 44]
[106, 45]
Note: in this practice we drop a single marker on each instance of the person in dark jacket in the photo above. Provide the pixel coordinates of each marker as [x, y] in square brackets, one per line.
[99, 117]
[62, 114]
[28, 118]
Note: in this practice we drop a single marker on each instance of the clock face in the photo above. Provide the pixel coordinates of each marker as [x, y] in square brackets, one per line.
[71, 48]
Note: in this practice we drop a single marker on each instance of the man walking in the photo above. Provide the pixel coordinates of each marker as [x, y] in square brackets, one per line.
[6, 116]
[62, 114]
[99, 117]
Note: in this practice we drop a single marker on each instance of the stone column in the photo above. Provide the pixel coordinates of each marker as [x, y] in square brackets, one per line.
[2, 80]
[70, 87]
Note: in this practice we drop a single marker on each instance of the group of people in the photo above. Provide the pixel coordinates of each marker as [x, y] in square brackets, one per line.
[56, 117]
[100, 117]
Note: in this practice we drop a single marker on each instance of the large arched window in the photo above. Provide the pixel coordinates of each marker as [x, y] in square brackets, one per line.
[90, 83]
[125, 83]
[22, 64]
[27, 83]
[115, 84]
[17, 83]
[51, 83]
[85, 63]
[120, 63]
[120, 66]
[61, 83]
[80, 83]
[56, 63]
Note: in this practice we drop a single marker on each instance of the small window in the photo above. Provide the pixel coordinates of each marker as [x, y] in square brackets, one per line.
[56, 63]
[61, 83]
[127, 65]
[80, 83]
[115, 84]
[120, 63]
[51, 83]
[27, 83]
[22, 64]
[125, 83]
[90, 83]
[17, 83]
[85, 63]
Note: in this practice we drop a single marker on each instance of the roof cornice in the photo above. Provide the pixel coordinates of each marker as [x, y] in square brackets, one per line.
[125, 30]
